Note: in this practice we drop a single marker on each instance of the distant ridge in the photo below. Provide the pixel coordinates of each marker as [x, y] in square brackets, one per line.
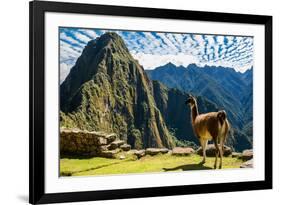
[232, 92]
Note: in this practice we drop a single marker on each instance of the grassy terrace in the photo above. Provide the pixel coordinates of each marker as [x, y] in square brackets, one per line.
[158, 163]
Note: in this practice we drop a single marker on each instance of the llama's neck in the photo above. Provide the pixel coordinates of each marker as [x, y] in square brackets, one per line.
[194, 112]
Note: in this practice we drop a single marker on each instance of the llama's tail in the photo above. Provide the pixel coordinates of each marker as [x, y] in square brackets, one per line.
[221, 116]
[229, 131]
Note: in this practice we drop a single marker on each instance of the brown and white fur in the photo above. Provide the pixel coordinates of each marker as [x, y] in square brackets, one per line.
[209, 126]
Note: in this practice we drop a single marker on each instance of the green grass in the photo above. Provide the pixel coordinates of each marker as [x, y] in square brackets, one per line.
[159, 163]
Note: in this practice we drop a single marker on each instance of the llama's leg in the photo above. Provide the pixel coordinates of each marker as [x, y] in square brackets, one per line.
[217, 152]
[204, 145]
[221, 151]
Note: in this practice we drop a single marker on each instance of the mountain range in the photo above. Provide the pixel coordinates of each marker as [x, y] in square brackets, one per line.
[224, 87]
[108, 90]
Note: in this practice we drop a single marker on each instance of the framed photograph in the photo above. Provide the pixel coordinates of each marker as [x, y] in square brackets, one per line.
[140, 102]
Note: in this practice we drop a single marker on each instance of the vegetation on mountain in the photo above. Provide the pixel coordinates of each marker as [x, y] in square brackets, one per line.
[107, 90]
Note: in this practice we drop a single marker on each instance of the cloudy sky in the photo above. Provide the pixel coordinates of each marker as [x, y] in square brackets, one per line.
[153, 49]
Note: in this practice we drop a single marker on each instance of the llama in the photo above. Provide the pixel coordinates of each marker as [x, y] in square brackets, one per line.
[209, 126]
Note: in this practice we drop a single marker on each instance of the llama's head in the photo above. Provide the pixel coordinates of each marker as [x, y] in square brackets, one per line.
[191, 101]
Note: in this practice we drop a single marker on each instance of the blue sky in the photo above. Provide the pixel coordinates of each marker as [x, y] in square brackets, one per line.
[153, 49]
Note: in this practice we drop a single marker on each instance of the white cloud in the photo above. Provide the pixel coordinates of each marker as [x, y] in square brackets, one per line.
[179, 38]
[167, 41]
[64, 37]
[210, 40]
[155, 49]
[243, 68]
[64, 70]
[151, 61]
[68, 52]
[199, 39]
[81, 37]
[230, 40]
[92, 34]
[220, 39]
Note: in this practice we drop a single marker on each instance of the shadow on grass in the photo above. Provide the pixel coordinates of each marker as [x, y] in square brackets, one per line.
[71, 156]
[69, 173]
[187, 167]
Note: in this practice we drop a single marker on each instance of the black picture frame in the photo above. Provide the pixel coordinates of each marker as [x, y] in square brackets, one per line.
[37, 10]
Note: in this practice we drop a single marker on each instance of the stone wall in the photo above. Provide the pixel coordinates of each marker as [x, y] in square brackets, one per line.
[84, 143]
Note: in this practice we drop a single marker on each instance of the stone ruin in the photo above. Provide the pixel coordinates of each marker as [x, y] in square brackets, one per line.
[82, 143]
[76, 142]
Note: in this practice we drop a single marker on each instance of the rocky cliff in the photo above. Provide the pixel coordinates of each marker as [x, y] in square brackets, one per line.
[108, 90]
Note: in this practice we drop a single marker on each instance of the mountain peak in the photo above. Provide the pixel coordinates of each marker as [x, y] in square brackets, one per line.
[100, 55]
[107, 40]
[170, 64]
[111, 35]
[192, 65]
[170, 67]
[107, 90]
